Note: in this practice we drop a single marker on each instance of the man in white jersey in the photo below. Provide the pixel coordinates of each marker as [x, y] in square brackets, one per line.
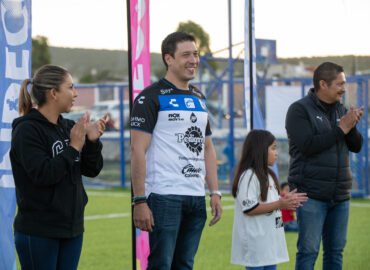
[172, 156]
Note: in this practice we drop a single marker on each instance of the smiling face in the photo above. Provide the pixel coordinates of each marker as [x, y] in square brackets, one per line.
[183, 65]
[332, 93]
[272, 154]
[66, 95]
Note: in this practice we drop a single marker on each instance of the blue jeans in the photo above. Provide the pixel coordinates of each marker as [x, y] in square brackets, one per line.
[41, 253]
[326, 220]
[267, 267]
[178, 224]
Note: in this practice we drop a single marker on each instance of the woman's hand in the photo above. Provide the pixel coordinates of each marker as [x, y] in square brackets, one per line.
[95, 130]
[78, 132]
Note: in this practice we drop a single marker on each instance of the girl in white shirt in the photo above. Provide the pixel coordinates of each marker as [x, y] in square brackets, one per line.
[258, 241]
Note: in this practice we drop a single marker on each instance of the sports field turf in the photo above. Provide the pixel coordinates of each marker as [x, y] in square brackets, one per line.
[107, 239]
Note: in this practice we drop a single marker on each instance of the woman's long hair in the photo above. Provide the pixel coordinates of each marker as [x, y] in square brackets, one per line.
[46, 77]
[255, 156]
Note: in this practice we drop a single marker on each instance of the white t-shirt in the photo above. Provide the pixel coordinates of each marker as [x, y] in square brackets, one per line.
[258, 240]
[178, 122]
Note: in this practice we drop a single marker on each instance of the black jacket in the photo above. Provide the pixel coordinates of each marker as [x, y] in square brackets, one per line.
[47, 175]
[318, 148]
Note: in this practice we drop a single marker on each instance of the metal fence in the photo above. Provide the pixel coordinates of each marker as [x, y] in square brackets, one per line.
[116, 171]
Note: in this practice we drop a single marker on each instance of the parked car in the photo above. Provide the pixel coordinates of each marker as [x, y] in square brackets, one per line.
[75, 115]
[113, 108]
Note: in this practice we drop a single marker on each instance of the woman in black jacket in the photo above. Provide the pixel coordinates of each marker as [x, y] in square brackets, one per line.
[48, 156]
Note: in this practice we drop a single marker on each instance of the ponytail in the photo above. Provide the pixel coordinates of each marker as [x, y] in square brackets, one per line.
[46, 77]
[25, 100]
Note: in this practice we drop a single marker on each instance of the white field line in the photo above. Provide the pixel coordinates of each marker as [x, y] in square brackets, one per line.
[226, 207]
[360, 204]
[107, 194]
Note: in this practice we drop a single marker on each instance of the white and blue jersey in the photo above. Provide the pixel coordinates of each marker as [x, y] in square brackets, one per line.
[178, 122]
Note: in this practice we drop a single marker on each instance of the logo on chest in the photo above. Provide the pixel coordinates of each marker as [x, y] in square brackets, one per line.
[58, 147]
[193, 139]
[190, 171]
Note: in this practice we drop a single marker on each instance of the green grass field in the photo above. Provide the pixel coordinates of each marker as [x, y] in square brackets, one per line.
[107, 239]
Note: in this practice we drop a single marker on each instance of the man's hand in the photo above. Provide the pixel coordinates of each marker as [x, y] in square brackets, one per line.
[216, 209]
[350, 119]
[359, 113]
[143, 218]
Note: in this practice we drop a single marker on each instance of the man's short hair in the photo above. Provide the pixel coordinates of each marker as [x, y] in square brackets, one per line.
[169, 44]
[328, 72]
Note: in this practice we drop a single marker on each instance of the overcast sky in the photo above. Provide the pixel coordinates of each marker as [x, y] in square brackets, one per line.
[301, 27]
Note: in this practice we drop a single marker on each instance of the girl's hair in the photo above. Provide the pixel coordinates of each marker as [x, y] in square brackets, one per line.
[255, 156]
[46, 77]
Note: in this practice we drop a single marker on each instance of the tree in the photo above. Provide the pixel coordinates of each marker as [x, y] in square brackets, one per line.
[197, 31]
[40, 52]
[201, 36]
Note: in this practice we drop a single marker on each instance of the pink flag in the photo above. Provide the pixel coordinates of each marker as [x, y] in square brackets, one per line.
[140, 63]
[140, 56]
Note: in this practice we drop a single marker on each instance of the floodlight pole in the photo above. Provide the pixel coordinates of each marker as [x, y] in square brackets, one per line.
[231, 98]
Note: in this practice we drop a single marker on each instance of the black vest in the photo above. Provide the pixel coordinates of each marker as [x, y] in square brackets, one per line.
[324, 176]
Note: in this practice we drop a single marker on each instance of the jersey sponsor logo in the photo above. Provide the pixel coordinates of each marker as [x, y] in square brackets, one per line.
[203, 104]
[166, 91]
[193, 139]
[193, 118]
[279, 222]
[189, 103]
[190, 171]
[173, 102]
[175, 117]
[190, 158]
[141, 100]
[137, 121]
[248, 202]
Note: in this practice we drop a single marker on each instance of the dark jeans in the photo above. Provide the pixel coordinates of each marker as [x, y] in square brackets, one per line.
[40, 253]
[326, 220]
[179, 221]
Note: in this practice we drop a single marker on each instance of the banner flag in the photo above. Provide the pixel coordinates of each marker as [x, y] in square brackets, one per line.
[139, 79]
[250, 55]
[250, 75]
[140, 56]
[15, 66]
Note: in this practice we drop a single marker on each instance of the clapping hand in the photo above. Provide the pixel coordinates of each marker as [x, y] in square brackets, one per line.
[350, 119]
[358, 113]
[292, 200]
[78, 132]
[95, 130]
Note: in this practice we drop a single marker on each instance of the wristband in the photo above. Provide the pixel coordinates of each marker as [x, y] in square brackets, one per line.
[138, 201]
[138, 197]
[215, 192]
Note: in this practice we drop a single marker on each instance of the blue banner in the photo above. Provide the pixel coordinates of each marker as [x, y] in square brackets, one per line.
[15, 66]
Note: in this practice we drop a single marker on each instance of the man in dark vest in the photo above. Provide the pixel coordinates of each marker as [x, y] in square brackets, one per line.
[321, 132]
